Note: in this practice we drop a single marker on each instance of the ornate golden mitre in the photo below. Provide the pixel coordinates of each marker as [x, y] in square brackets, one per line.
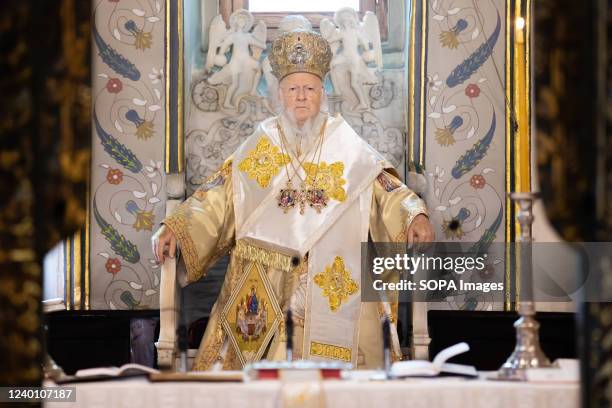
[300, 51]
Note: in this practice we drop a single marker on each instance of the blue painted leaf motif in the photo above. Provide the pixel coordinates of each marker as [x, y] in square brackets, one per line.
[463, 214]
[114, 60]
[464, 71]
[133, 117]
[119, 244]
[482, 246]
[132, 207]
[470, 303]
[127, 298]
[116, 150]
[473, 156]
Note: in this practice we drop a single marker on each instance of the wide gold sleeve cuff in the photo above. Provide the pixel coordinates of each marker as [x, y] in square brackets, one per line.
[204, 224]
[394, 207]
[412, 206]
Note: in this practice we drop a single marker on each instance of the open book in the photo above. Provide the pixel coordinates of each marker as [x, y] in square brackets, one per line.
[126, 370]
[439, 365]
[107, 373]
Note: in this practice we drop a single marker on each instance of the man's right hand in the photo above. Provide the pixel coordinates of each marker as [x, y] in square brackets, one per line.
[163, 244]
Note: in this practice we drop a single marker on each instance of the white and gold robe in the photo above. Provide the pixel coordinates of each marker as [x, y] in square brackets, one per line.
[308, 262]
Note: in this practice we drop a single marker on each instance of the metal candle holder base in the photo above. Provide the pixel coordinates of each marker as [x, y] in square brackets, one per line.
[51, 370]
[527, 352]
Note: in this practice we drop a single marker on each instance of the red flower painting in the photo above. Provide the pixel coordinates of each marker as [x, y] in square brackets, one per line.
[472, 90]
[114, 85]
[114, 176]
[113, 266]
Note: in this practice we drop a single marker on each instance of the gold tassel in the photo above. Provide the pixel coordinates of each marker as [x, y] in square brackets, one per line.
[263, 256]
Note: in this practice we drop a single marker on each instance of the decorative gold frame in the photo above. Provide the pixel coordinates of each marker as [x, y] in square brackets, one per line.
[174, 77]
[76, 269]
[520, 78]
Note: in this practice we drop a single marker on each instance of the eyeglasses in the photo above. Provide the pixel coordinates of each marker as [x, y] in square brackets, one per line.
[307, 90]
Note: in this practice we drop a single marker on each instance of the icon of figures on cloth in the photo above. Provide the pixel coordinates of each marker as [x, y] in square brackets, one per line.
[251, 316]
[241, 323]
[288, 23]
[354, 44]
[252, 301]
[287, 198]
[242, 72]
[317, 199]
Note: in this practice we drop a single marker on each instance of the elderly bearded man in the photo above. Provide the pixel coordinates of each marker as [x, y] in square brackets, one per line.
[292, 206]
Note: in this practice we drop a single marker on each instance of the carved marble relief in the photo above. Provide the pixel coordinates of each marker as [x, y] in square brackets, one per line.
[206, 150]
[357, 54]
[240, 68]
[382, 125]
[227, 104]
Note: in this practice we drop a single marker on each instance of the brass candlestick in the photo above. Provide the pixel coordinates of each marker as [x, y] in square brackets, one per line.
[527, 353]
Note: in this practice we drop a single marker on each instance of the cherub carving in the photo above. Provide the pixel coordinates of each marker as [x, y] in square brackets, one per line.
[243, 71]
[355, 44]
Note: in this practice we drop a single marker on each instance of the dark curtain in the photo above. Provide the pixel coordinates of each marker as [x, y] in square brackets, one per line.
[44, 161]
[572, 110]
[574, 123]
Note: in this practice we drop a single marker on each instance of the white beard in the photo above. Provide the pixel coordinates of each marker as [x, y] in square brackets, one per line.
[302, 139]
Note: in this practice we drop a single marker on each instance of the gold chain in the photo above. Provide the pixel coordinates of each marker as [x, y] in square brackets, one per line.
[284, 146]
[318, 149]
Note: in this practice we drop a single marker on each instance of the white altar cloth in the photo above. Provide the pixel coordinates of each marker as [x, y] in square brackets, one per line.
[427, 393]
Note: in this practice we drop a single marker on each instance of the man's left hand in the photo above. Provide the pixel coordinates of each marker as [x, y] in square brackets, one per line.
[420, 231]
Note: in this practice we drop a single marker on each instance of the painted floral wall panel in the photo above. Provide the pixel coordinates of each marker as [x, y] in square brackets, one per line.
[128, 138]
[465, 116]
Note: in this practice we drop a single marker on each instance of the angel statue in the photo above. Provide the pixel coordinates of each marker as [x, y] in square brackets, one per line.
[354, 44]
[288, 23]
[243, 71]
